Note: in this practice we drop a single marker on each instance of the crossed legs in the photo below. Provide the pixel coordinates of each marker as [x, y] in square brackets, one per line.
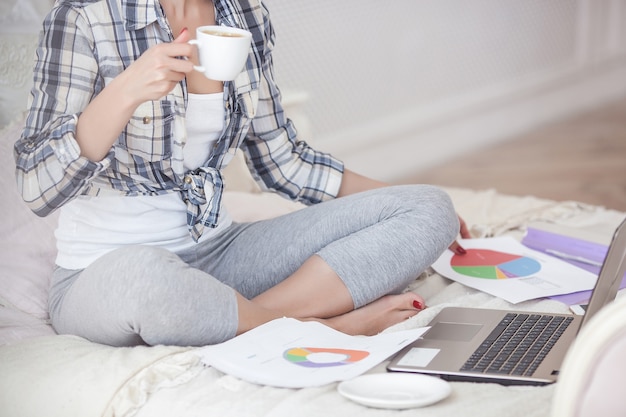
[354, 282]
[315, 292]
[345, 263]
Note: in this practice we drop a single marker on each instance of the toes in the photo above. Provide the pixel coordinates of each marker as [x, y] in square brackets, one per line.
[417, 302]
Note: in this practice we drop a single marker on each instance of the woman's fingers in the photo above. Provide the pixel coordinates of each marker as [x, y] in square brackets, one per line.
[465, 234]
[457, 248]
[158, 70]
[463, 229]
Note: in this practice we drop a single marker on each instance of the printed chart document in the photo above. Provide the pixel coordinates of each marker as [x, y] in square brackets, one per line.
[505, 268]
[290, 353]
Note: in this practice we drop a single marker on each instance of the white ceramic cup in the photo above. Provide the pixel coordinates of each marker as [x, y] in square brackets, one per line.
[222, 51]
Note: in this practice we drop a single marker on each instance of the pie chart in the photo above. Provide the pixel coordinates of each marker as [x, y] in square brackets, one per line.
[490, 264]
[312, 357]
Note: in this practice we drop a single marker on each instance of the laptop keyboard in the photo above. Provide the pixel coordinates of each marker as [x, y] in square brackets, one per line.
[518, 344]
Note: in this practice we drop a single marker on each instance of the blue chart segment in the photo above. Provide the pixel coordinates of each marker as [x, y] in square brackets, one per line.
[489, 264]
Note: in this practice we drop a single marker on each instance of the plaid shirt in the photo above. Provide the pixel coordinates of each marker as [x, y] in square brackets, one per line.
[85, 45]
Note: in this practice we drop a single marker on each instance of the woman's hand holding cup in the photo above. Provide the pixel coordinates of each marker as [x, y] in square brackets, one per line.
[159, 69]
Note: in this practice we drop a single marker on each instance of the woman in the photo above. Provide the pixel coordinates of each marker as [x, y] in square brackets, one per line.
[128, 141]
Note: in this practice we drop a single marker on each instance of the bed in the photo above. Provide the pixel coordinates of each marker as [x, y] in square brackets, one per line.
[45, 374]
[42, 373]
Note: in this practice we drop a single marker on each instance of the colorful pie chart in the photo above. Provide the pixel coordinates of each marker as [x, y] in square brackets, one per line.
[312, 357]
[490, 264]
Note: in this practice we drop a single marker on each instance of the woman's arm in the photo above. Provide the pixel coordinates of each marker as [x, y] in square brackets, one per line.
[278, 157]
[151, 77]
[351, 183]
[74, 118]
[49, 168]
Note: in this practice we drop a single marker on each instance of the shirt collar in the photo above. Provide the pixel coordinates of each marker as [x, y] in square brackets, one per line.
[140, 13]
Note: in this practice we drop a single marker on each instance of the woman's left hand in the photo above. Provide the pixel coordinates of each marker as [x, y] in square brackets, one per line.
[465, 234]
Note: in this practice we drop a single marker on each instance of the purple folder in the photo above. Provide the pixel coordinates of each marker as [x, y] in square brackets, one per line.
[547, 242]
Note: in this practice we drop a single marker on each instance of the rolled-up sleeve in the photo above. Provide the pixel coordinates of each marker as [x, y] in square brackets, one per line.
[278, 158]
[49, 168]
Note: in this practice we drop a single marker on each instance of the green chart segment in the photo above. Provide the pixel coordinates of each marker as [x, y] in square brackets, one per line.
[490, 264]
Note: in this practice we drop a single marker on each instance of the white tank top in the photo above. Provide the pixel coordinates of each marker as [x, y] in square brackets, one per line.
[89, 227]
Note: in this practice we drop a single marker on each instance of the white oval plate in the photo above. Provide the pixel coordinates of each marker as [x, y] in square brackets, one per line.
[395, 390]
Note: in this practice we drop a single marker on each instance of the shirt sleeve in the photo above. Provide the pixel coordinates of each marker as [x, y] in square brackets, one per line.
[279, 159]
[49, 168]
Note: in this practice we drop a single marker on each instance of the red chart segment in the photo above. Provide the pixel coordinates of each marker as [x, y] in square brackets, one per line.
[490, 264]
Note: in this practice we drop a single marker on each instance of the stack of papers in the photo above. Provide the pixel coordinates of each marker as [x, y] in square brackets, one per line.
[578, 252]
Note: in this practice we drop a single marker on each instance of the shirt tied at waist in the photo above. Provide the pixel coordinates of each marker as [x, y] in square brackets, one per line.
[202, 192]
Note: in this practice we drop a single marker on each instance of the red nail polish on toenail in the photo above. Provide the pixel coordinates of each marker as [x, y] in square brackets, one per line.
[418, 305]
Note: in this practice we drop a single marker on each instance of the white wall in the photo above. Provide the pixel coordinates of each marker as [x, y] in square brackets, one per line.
[20, 22]
[395, 87]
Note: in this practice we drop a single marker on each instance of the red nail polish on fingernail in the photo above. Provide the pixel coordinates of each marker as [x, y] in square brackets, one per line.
[418, 305]
[461, 251]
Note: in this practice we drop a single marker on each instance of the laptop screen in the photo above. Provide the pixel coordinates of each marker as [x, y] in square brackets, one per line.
[611, 274]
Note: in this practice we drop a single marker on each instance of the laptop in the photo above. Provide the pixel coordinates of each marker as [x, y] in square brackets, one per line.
[488, 345]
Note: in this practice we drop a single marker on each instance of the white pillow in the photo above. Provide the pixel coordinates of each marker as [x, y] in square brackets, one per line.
[27, 246]
[15, 326]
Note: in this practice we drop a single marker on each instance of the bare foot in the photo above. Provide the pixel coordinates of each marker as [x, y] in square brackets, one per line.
[375, 317]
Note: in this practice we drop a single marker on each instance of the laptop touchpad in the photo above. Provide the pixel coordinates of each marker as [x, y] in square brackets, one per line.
[460, 332]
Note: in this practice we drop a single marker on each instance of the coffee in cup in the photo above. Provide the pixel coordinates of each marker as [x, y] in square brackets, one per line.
[222, 51]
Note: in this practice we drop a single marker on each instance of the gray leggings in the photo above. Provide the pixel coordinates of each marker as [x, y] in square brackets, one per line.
[377, 242]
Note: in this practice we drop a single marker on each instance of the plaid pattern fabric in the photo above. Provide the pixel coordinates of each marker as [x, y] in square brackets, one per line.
[85, 45]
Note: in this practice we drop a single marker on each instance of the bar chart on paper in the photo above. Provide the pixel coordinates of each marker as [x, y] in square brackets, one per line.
[491, 264]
